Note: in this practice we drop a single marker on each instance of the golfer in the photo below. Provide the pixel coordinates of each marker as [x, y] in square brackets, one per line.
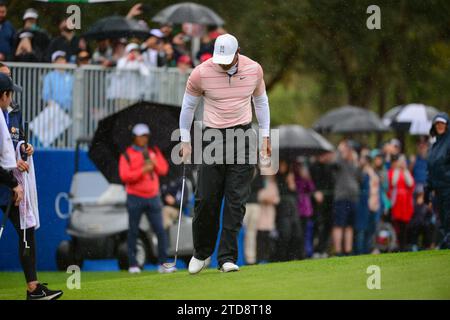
[227, 82]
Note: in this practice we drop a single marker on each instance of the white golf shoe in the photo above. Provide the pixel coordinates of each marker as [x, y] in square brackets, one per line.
[196, 265]
[229, 267]
[134, 270]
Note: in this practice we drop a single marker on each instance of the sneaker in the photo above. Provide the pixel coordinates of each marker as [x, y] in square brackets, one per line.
[317, 255]
[134, 270]
[324, 255]
[196, 265]
[162, 269]
[43, 293]
[229, 267]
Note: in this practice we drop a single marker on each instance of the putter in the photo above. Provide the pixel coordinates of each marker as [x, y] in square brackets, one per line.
[169, 265]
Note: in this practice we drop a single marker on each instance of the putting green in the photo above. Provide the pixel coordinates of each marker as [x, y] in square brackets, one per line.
[420, 275]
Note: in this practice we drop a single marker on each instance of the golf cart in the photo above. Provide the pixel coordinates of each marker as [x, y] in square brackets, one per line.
[98, 224]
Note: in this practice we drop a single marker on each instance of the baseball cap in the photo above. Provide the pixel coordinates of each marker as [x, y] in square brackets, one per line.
[157, 33]
[30, 14]
[440, 119]
[6, 84]
[141, 129]
[57, 54]
[396, 143]
[225, 48]
[131, 46]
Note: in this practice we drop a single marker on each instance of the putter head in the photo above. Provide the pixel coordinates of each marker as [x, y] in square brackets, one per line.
[169, 265]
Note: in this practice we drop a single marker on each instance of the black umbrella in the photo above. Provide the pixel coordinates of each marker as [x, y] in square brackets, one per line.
[362, 123]
[114, 27]
[113, 135]
[188, 12]
[295, 140]
[349, 119]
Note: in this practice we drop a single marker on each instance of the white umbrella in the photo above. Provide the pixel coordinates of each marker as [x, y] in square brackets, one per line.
[414, 118]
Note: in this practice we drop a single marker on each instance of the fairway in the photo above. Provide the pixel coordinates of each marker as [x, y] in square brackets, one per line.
[421, 275]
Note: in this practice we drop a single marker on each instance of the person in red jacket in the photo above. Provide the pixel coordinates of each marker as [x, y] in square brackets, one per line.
[401, 193]
[139, 168]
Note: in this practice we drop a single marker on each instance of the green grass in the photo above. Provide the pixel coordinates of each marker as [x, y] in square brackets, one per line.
[422, 275]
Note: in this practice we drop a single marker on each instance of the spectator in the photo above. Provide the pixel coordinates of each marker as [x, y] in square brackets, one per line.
[132, 73]
[184, 64]
[346, 193]
[251, 218]
[25, 50]
[439, 175]
[207, 42]
[179, 43]
[118, 47]
[67, 41]
[152, 48]
[268, 198]
[83, 58]
[391, 149]
[305, 188]
[421, 225]
[139, 168]
[103, 54]
[322, 175]
[381, 171]
[418, 164]
[58, 84]
[39, 37]
[290, 238]
[171, 197]
[169, 56]
[7, 33]
[167, 29]
[401, 189]
[368, 209]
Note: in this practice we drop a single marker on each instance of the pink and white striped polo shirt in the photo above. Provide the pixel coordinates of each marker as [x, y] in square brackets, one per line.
[227, 99]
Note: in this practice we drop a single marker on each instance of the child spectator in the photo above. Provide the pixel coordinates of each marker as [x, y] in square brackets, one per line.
[305, 188]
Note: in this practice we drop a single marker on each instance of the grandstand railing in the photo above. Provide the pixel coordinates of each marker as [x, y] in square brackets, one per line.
[77, 98]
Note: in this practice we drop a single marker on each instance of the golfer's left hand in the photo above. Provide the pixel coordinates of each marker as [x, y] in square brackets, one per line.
[29, 150]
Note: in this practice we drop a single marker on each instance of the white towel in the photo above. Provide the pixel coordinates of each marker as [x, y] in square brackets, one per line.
[28, 207]
[7, 154]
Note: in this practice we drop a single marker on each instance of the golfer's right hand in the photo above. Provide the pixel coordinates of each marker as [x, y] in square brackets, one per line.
[18, 195]
[186, 151]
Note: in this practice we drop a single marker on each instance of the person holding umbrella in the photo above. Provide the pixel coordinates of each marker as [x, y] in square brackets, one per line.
[228, 82]
[139, 168]
[439, 174]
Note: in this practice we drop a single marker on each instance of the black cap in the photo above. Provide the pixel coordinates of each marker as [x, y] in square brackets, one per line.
[6, 84]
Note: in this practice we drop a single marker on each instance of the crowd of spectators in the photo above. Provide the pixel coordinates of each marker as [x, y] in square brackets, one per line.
[354, 201]
[165, 46]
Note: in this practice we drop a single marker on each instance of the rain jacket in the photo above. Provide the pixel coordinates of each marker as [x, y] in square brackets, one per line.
[439, 160]
[136, 182]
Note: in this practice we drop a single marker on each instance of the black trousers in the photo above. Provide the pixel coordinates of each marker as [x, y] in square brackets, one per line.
[290, 244]
[324, 214]
[216, 183]
[28, 262]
